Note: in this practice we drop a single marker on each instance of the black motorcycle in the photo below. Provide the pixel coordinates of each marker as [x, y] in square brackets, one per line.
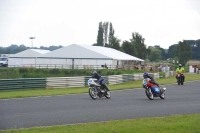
[180, 79]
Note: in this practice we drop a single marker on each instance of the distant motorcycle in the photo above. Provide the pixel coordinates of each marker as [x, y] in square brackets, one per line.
[153, 90]
[180, 79]
[96, 90]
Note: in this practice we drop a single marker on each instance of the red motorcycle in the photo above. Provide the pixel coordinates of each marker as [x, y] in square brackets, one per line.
[153, 90]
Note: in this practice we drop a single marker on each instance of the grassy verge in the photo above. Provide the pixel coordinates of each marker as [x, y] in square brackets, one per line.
[171, 124]
[63, 91]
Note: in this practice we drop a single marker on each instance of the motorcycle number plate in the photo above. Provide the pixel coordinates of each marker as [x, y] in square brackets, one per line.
[89, 82]
[156, 89]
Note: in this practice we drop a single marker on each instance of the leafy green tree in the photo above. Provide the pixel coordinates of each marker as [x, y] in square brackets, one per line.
[105, 32]
[148, 51]
[155, 54]
[115, 43]
[195, 47]
[164, 54]
[173, 51]
[184, 52]
[140, 47]
[111, 33]
[129, 48]
[100, 35]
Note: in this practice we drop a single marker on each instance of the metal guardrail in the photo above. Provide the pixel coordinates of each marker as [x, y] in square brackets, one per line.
[65, 82]
[22, 83]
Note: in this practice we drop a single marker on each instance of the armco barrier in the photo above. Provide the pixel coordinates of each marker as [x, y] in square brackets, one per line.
[170, 73]
[66, 82]
[22, 83]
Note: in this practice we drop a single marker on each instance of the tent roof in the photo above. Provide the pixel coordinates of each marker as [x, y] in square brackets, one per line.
[30, 53]
[75, 51]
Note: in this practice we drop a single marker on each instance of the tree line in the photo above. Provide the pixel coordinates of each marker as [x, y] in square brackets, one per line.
[182, 52]
[14, 48]
[135, 46]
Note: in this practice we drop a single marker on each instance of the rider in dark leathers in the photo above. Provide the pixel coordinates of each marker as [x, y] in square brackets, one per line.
[102, 81]
[146, 75]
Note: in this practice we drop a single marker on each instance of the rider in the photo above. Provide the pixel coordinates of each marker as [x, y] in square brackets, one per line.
[180, 70]
[100, 79]
[146, 75]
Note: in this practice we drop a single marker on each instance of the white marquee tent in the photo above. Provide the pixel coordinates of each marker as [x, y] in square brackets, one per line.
[83, 55]
[25, 58]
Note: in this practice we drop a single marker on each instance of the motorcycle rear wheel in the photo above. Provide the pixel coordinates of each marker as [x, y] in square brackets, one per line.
[92, 93]
[108, 95]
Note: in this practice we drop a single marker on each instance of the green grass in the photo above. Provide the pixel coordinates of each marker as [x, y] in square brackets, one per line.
[171, 124]
[62, 91]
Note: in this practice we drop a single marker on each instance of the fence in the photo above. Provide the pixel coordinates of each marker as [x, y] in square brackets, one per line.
[62, 66]
[65, 82]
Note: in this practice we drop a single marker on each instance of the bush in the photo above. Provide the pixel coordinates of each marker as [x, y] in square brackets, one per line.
[9, 73]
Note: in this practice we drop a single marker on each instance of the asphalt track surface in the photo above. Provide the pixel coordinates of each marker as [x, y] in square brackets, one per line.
[73, 109]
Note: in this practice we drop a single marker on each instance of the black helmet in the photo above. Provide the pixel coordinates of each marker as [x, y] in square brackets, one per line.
[94, 73]
[145, 75]
[179, 65]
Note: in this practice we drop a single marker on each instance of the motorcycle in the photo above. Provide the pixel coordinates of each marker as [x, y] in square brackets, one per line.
[96, 90]
[153, 90]
[180, 79]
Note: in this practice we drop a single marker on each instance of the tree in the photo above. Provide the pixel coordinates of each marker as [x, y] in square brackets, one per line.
[184, 52]
[111, 34]
[105, 33]
[13, 49]
[100, 35]
[115, 43]
[155, 54]
[173, 51]
[129, 48]
[140, 47]
[164, 54]
[195, 47]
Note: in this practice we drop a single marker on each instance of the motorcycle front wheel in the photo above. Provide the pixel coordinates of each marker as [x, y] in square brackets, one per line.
[149, 94]
[162, 96]
[92, 93]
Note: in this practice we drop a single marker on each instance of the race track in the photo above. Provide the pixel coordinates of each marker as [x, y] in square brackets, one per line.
[73, 109]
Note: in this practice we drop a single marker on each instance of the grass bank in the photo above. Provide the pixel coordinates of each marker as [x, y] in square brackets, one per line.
[171, 124]
[62, 91]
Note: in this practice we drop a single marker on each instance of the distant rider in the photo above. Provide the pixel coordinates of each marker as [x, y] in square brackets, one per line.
[180, 70]
[102, 81]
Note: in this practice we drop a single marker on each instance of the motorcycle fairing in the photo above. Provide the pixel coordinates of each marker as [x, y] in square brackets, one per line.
[155, 89]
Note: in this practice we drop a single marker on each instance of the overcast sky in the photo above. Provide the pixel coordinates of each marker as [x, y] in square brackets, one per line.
[65, 22]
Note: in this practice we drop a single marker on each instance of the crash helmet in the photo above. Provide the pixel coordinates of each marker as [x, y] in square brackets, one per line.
[179, 65]
[93, 74]
[145, 75]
